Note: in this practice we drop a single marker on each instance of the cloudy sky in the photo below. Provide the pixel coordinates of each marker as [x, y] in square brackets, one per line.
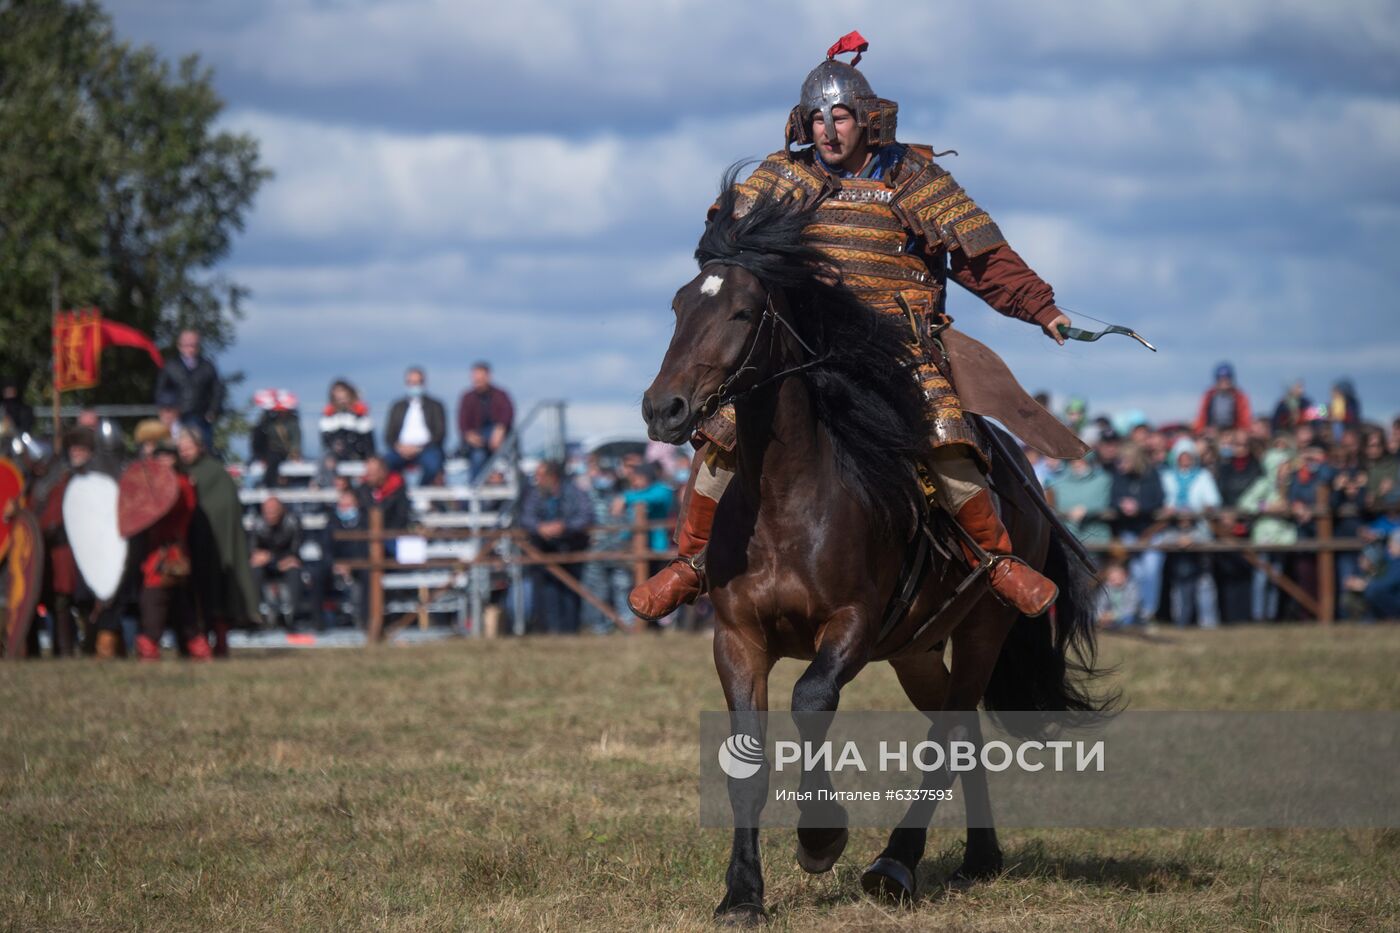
[524, 181]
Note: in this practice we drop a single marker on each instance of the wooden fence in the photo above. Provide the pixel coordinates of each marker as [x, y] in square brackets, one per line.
[520, 553]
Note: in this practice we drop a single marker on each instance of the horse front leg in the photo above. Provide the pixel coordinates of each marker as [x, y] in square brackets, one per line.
[743, 671]
[842, 652]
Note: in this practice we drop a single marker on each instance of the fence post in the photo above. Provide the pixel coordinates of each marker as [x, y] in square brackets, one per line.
[1326, 558]
[517, 588]
[640, 544]
[376, 575]
[478, 580]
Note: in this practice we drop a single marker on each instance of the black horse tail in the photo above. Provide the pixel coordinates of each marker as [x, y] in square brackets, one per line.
[1048, 665]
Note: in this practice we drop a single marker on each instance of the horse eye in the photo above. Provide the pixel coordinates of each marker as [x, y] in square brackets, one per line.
[743, 314]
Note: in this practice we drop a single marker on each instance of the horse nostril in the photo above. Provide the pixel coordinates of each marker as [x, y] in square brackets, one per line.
[676, 409]
[646, 407]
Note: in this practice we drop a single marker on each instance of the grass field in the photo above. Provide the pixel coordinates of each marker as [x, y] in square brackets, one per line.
[550, 784]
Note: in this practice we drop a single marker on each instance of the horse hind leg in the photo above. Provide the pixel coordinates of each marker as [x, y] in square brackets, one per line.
[982, 856]
[932, 688]
[892, 875]
[977, 643]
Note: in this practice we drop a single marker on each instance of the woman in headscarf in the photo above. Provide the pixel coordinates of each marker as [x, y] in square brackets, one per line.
[1189, 492]
[1267, 500]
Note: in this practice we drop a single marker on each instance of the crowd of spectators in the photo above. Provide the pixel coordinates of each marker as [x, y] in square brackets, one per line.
[1151, 501]
[1145, 492]
[1230, 475]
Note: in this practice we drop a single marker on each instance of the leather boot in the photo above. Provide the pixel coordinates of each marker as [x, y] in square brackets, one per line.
[107, 644]
[147, 648]
[198, 647]
[220, 640]
[1011, 578]
[682, 580]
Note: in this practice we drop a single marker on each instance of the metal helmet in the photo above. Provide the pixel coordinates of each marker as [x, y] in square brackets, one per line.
[834, 83]
[110, 438]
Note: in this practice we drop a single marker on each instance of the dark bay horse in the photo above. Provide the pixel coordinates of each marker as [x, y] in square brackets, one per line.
[810, 535]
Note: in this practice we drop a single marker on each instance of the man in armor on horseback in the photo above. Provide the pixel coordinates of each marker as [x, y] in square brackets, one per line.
[896, 227]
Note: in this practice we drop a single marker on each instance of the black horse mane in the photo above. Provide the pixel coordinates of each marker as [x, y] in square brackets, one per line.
[865, 391]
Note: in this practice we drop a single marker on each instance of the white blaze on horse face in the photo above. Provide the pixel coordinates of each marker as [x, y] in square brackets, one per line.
[712, 285]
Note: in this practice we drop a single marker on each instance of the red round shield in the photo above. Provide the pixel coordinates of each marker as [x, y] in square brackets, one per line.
[147, 491]
[25, 562]
[11, 488]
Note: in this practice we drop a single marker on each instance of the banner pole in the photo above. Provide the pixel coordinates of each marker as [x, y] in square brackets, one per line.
[57, 395]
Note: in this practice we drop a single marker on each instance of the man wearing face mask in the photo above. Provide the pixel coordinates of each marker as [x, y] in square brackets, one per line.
[896, 228]
[416, 430]
[335, 575]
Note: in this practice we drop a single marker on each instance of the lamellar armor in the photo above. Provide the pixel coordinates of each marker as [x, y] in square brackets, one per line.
[890, 238]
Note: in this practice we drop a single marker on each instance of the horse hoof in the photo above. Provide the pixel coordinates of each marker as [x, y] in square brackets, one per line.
[815, 862]
[741, 915]
[970, 873]
[888, 879]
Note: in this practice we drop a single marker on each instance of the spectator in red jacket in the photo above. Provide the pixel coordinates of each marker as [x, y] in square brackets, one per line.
[1224, 407]
[166, 598]
[484, 416]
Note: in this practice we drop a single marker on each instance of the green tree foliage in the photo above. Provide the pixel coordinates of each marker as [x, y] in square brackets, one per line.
[114, 175]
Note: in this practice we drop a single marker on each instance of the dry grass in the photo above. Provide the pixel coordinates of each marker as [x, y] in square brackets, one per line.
[550, 784]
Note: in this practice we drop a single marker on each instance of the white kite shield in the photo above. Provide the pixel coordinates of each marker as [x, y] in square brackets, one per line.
[90, 520]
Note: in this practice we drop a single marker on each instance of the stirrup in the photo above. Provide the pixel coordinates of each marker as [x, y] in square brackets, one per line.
[697, 563]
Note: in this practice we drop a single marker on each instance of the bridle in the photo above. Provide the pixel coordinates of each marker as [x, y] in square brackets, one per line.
[725, 394]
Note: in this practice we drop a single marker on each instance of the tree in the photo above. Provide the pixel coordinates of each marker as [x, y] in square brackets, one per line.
[113, 176]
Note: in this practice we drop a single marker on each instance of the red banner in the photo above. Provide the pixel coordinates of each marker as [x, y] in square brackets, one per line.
[77, 349]
[78, 340]
[119, 335]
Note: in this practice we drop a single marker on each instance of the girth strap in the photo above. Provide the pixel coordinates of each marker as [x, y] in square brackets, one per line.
[911, 577]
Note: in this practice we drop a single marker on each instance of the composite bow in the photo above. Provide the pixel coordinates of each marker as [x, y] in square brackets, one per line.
[1089, 336]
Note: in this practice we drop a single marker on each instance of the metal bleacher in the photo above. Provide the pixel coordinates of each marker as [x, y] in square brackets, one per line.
[458, 504]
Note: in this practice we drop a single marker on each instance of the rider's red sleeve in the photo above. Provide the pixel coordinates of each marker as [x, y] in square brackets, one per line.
[1001, 278]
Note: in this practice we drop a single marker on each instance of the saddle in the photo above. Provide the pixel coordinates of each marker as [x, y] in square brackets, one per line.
[938, 531]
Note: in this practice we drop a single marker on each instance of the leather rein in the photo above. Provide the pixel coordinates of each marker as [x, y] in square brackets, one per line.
[725, 393]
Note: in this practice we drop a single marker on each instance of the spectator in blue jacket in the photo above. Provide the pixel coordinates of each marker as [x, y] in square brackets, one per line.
[646, 486]
[557, 516]
[1379, 587]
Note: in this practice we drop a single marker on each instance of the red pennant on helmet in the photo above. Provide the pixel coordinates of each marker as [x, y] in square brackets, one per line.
[850, 42]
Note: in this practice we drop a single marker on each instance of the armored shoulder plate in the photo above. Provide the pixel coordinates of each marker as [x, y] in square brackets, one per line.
[935, 206]
[781, 177]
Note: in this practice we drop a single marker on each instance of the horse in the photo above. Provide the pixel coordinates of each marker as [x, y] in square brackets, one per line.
[810, 535]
